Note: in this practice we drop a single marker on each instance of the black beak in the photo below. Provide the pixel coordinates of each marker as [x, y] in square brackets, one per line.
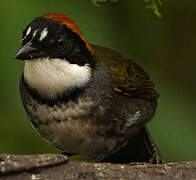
[27, 52]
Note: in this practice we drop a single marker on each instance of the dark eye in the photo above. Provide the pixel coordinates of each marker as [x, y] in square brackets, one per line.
[60, 43]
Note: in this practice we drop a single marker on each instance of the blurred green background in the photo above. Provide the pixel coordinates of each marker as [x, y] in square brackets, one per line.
[166, 48]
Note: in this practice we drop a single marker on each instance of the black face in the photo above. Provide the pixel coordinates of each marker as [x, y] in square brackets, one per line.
[45, 38]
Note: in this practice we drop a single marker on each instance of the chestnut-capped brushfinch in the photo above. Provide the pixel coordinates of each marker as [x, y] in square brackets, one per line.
[85, 99]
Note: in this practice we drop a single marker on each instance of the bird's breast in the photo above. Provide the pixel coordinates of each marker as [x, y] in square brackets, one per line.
[66, 125]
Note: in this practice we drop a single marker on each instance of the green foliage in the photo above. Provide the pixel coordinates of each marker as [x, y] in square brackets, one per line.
[154, 6]
[97, 1]
[151, 4]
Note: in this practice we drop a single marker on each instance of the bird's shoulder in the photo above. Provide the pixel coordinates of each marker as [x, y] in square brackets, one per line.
[128, 77]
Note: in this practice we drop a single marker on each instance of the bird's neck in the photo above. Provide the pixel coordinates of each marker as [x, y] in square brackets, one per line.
[51, 77]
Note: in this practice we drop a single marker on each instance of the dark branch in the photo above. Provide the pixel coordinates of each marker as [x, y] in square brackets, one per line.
[54, 166]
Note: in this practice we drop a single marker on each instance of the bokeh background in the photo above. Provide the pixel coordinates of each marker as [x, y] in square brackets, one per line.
[165, 47]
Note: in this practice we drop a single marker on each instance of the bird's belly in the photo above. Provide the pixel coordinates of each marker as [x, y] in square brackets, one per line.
[72, 136]
[69, 127]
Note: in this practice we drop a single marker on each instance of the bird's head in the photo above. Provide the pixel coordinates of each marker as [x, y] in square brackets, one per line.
[57, 56]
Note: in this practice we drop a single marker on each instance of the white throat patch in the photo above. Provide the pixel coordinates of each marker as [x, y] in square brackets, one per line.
[53, 76]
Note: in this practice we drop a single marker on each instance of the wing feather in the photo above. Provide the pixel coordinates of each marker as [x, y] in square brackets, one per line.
[127, 76]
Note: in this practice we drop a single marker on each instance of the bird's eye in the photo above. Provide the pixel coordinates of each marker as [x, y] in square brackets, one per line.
[60, 42]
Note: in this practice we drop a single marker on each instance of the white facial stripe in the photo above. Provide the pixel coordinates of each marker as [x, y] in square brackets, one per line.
[34, 33]
[53, 76]
[28, 31]
[44, 33]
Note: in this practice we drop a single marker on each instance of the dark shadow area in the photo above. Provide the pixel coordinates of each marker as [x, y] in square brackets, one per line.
[140, 148]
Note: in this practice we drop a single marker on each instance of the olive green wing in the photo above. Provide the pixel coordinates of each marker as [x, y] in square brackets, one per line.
[128, 77]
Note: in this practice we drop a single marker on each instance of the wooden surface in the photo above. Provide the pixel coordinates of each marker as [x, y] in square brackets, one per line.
[55, 166]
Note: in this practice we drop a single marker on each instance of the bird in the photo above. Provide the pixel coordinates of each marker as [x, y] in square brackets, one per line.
[85, 99]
